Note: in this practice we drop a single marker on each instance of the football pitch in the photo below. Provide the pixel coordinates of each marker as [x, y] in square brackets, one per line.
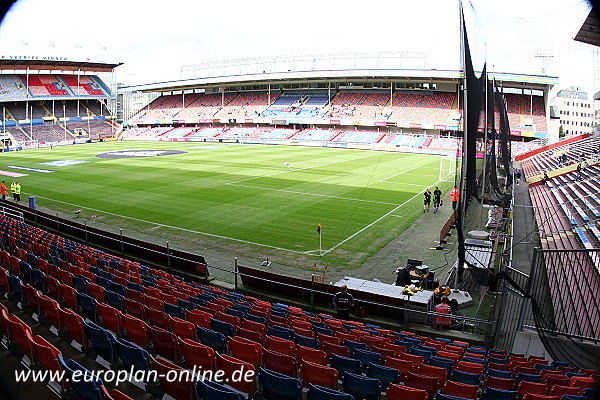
[252, 199]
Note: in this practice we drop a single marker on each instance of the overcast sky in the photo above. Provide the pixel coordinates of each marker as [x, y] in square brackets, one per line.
[154, 41]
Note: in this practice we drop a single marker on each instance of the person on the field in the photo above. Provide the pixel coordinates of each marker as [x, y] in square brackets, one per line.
[3, 190]
[437, 199]
[426, 200]
[12, 189]
[454, 195]
[17, 191]
[403, 277]
[343, 302]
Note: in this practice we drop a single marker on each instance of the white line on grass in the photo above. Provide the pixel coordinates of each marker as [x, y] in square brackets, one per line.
[172, 227]
[298, 169]
[315, 194]
[377, 220]
[399, 173]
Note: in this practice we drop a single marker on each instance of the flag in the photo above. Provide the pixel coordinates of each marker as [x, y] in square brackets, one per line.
[319, 229]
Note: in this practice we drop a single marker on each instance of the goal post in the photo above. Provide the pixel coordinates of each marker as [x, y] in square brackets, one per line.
[448, 165]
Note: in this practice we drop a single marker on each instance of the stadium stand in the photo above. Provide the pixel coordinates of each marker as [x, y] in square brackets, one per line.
[359, 105]
[431, 108]
[246, 105]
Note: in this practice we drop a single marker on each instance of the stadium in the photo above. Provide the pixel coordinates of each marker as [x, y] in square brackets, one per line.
[208, 223]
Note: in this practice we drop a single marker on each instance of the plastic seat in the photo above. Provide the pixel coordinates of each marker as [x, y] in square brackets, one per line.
[165, 343]
[527, 377]
[498, 394]
[465, 377]
[583, 382]
[117, 301]
[316, 392]
[276, 386]
[404, 366]
[306, 341]
[224, 328]
[462, 390]
[366, 356]
[110, 318]
[198, 317]
[420, 352]
[472, 368]
[313, 355]
[553, 379]
[211, 338]
[331, 348]
[136, 330]
[73, 324]
[96, 291]
[208, 390]
[102, 341]
[280, 345]
[499, 374]
[181, 388]
[197, 355]
[532, 396]
[114, 394]
[416, 360]
[499, 383]
[361, 387]
[46, 355]
[441, 362]
[427, 383]
[32, 297]
[386, 375]
[133, 356]
[558, 390]
[16, 288]
[355, 345]
[50, 313]
[182, 328]
[436, 372]
[19, 335]
[279, 362]
[318, 375]
[157, 318]
[230, 366]
[245, 350]
[175, 311]
[345, 364]
[250, 335]
[86, 389]
[399, 392]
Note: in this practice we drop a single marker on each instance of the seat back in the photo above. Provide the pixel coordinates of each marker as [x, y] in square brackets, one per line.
[280, 345]
[102, 341]
[312, 355]
[197, 355]
[181, 388]
[276, 386]
[136, 330]
[498, 394]
[230, 366]
[462, 390]
[361, 387]
[427, 383]
[316, 392]
[211, 338]
[73, 324]
[182, 328]
[279, 362]
[499, 383]
[386, 375]
[165, 343]
[346, 364]
[245, 350]
[318, 375]
[110, 318]
[133, 356]
[208, 390]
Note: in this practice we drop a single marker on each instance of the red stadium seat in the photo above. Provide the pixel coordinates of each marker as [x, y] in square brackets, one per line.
[229, 365]
[181, 388]
[427, 383]
[110, 317]
[165, 343]
[245, 350]
[399, 392]
[279, 345]
[136, 330]
[197, 355]
[278, 362]
[312, 355]
[461, 390]
[183, 329]
[318, 375]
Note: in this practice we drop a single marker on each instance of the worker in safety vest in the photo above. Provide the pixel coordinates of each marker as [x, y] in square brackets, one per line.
[454, 195]
[17, 191]
[12, 189]
[442, 308]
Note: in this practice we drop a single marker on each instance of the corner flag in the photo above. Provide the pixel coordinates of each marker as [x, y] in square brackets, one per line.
[319, 229]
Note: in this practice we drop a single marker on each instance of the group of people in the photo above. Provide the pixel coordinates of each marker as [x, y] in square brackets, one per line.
[15, 189]
[437, 199]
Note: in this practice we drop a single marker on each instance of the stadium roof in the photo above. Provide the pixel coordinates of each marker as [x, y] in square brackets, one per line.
[590, 30]
[54, 63]
[431, 75]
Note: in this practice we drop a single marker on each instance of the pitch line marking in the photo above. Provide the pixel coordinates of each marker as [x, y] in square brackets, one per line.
[378, 219]
[315, 194]
[299, 169]
[399, 173]
[171, 227]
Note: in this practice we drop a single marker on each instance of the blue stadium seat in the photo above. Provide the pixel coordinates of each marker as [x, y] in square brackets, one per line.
[441, 396]
[361, 387]
[103, 342]
[366, 356]
[351, 344]
[133, 356]
[386, 375]
[80, 283]
[498, 394]
[465, 377]
[441, 362]
[281, 332]
[473, 360]
[117, 287]
[174, 311]
[276, 386]
[114, 299]
[420, 352]
[211, 338]
[342, 364]
[135, 286]
[236, 313]
[499, 374]
[85, 389]
[16, 287]
[527, 377]
[307, 342]
[322, 330]
[254, 318]
[88, 306]
[316, 392]
[224, 328]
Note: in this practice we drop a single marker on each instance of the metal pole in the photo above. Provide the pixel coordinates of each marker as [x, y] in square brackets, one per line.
[168, 255]
[121, 235]
[485, 139]
[65, 120]
[85, 228]
[57, 224]
[235, 273]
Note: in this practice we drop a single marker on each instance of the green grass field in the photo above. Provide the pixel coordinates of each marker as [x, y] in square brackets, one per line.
[241, 198]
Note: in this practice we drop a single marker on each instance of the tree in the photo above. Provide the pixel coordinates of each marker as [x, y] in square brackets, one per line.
[561, 132]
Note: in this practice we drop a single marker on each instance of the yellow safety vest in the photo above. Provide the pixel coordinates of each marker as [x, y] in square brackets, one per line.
[18, 188]
[12, 187]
